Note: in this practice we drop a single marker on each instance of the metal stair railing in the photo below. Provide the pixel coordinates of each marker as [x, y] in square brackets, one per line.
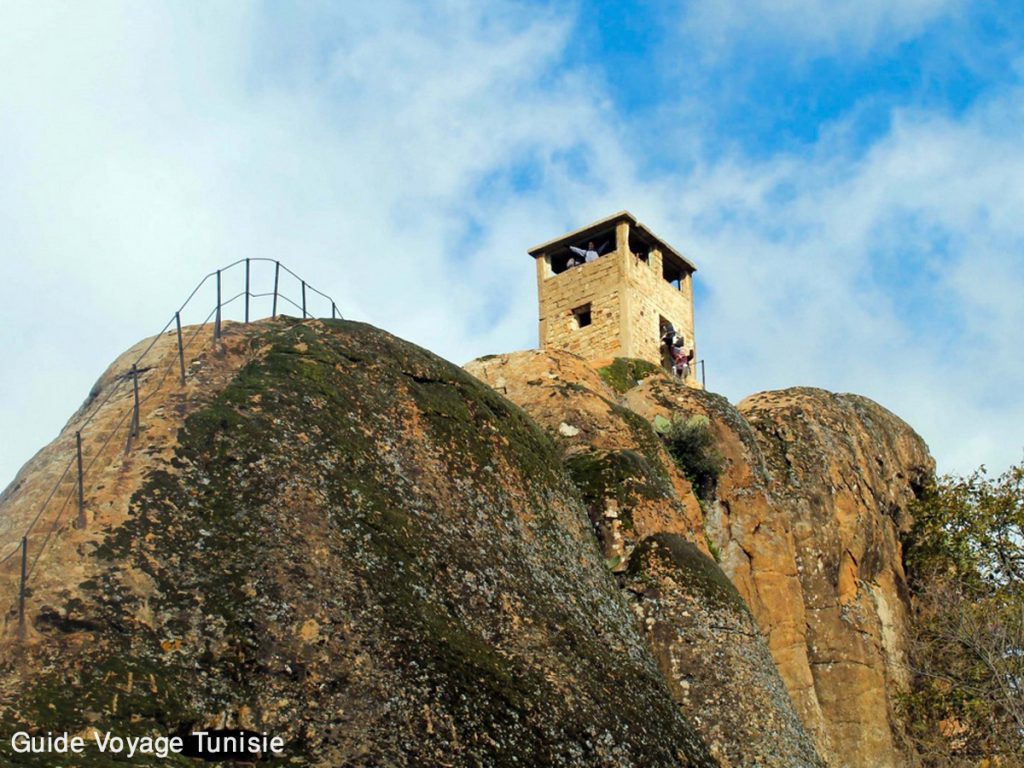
[77, 490]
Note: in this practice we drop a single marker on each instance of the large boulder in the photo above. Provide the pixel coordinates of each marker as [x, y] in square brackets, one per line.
[354, 545]
[712, 654]
[639, 495]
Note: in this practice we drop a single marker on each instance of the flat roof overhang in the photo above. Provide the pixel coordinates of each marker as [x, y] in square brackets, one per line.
[592, 229]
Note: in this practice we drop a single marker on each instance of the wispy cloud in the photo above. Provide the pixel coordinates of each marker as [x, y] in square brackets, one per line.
[405, 158]
[147, 145]
[897, 274]
[812, 27]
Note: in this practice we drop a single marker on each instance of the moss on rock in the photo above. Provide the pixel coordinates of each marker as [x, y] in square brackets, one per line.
[625, 476]
[714, 658]
[698, 571]
[624, 373]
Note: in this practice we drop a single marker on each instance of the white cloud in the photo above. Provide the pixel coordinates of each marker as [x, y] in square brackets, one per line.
[378, 151]
[147, 146]
[897, 274]
[812, 26]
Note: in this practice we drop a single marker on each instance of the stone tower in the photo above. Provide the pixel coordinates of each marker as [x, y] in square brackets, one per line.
[615, 305]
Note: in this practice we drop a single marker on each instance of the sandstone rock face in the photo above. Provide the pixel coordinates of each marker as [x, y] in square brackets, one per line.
[558, 388]
[354, 545]
[631, 486]
[753, 535]
[805, 519]
[334, 536]
[844, 470]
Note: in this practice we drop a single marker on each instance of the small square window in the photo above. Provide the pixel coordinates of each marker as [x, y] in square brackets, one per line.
[582, 316]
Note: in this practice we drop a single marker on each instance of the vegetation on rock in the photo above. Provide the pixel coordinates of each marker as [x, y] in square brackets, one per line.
[691, 443]
[713, 656]
[361, 548]
[626, 372]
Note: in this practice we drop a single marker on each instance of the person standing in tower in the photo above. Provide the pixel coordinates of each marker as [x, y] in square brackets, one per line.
[587, 254]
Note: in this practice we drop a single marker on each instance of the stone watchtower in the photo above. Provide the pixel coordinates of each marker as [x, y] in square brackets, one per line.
[617, 304]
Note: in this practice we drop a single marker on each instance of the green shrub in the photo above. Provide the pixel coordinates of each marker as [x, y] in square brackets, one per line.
[965, 567]
[691, 444]
[714, 549]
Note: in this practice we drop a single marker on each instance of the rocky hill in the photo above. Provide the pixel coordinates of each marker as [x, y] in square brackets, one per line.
[335, 536]
[804, 519]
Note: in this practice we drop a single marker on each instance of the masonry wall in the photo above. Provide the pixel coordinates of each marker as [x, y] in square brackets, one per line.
[627, 297]
[598, 284]
[649, 298]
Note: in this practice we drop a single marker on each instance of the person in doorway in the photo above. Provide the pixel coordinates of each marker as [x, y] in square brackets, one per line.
[668, 333]
[681, 357]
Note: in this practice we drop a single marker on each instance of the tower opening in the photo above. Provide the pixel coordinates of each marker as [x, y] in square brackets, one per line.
[582, 250]
[673, 271]
[582, 316]
[639, 247]
[560, 261]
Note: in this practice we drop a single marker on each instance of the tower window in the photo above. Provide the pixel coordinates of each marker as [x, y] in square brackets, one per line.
[639, 247]
[582, 251]
[560, 261]
[582, 316]
[673, 271]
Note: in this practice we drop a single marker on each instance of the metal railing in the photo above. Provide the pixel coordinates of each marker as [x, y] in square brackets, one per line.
[216, 315]
[691, 373]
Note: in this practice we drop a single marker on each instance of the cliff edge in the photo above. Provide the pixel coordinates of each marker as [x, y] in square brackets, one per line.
[356, 546]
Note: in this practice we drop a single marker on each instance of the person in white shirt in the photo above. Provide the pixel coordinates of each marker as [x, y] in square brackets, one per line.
[587, 254]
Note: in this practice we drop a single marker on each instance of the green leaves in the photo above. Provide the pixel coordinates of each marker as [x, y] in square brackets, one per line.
[691, 443]
[965, 563]
[972, 527]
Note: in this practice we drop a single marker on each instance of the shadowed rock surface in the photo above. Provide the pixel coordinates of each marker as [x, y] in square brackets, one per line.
[711, 652]
[641, 502]
[630, 484]
[357, 546]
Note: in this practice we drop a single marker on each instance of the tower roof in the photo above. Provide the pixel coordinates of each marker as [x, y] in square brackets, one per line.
[594, 228]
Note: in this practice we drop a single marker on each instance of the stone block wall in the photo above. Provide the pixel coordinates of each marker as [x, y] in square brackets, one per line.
[597, 284]
[648, 298]
[627, 298]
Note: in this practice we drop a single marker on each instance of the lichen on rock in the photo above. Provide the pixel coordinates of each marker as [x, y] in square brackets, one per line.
[388, 560]
[812, 492]
[714, 658]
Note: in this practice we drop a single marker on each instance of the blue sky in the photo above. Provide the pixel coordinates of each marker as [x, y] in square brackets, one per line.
[846, 175]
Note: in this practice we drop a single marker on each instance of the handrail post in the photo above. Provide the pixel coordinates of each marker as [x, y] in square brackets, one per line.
[21, 588]
[135, 413]
[277, 275]
[81, 482]
[703, 383]
[181, 348]
[334, 311]
[133, 430]
[303, 299]
[216, 322]
[247, 290]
